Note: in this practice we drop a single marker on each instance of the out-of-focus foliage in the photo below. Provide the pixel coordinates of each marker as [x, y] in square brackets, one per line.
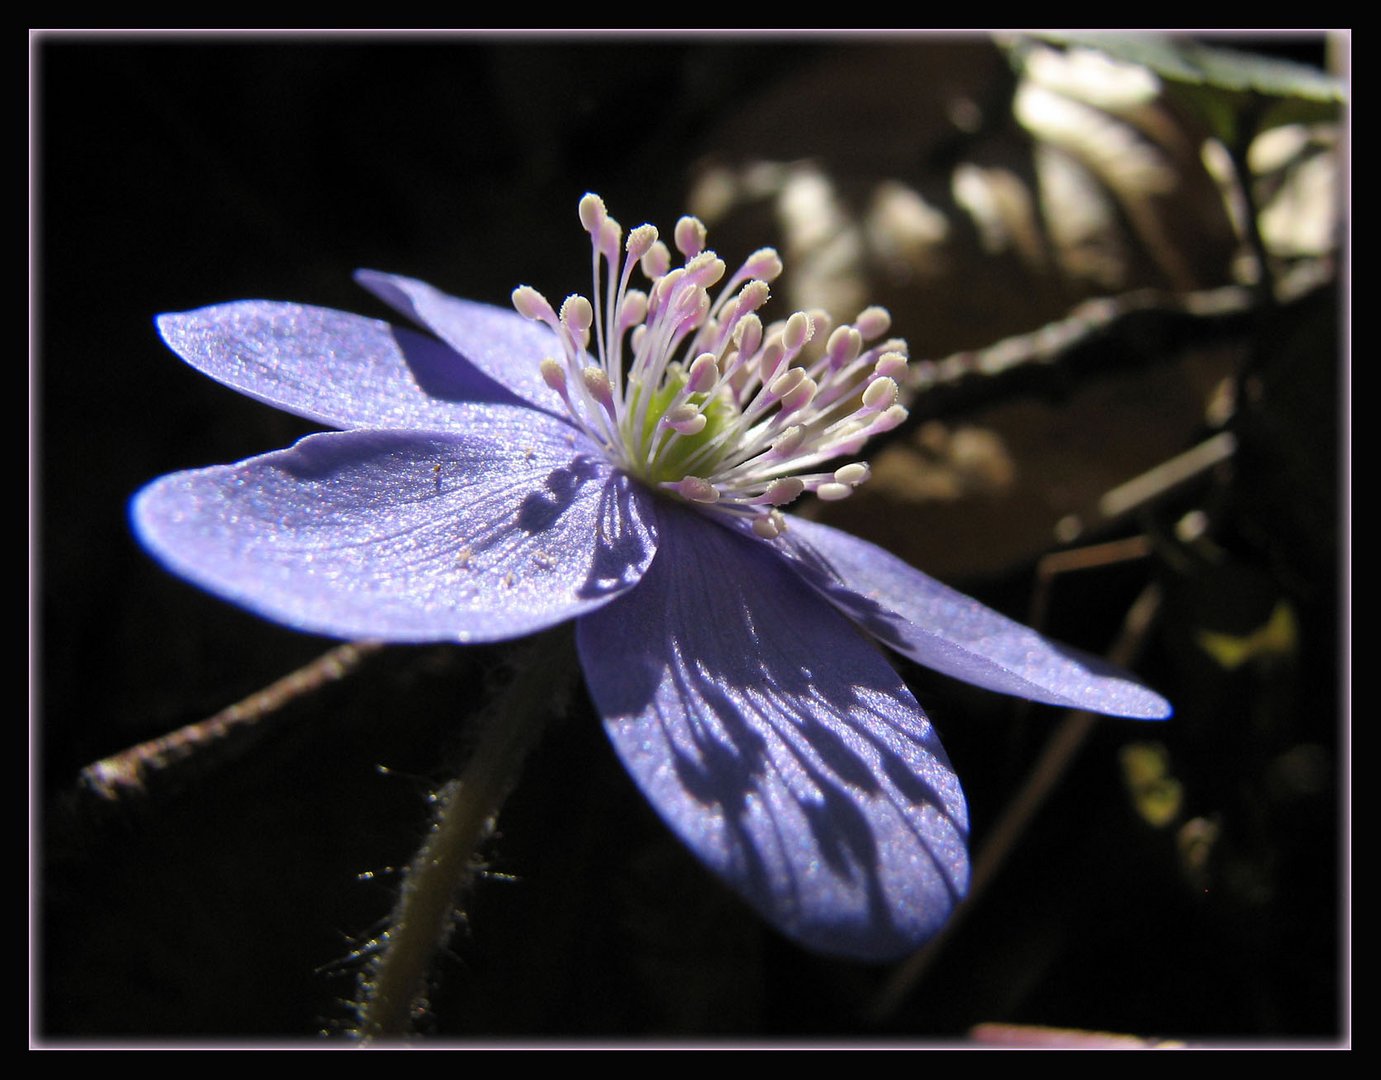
[1226, 86]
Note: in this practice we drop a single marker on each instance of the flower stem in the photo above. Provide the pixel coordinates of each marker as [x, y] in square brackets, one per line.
[392, 991]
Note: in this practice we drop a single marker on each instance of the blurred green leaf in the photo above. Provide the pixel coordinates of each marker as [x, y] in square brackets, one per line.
[1227, 87]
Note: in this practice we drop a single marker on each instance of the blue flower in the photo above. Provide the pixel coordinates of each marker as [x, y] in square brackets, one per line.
[505, 476]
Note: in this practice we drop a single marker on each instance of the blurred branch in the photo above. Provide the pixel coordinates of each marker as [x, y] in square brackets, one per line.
[128, 773]
[1093, 333]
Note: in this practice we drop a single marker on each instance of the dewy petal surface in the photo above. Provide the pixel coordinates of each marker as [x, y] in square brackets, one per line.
[501, 531]
[498, 341]
[778, 744]
[329, 366]
[953, 633]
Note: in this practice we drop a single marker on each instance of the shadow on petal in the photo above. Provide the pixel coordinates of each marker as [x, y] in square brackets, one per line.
[541, 510]
[625, 538]
[443, 374]
[779, 745]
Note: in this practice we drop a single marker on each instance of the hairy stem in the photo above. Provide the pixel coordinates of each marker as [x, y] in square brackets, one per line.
[393, 989]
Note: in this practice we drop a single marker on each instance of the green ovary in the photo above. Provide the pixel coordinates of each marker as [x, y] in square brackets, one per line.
[674, 457]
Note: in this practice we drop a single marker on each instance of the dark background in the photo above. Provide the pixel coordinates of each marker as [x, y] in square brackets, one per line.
[170, 174]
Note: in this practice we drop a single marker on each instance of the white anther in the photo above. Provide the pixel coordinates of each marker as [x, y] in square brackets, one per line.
[891, 365]
[706, 269]
[610, 238]
[834, 492]
[577, 314]
[697, 489]
[799, 396]
[844, 346]
[634, 309]
[764, 263]
[704, 372]
[665, 290]
[786, 382]
[784, 490]
[789, 441]
[888, 420]
[690, 237]
[873, 322]
[754, 295]
[592, 213]
[531, 304]
[853, 474]
[823, 323]
[767, 526]
[596, 381]
[692, 305]
[748, 334]
[881, 393]
[554, 375]
[771, 361]
[685, 419]
[640, 240]
[797, 332]
[656, 262]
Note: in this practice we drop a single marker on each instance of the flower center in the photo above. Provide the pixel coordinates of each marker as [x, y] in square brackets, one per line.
[693, 395]
[672, 463]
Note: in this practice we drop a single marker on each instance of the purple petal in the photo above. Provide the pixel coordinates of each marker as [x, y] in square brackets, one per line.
[339, 369]
[489, 535]
[955, 634]
[778, 744]
[501, 343]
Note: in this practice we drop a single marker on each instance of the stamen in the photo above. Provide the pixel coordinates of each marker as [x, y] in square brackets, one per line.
[797, 333]
[891, 365]
[881, 393]
[764, 264]
[531, 304]
[769, 526]
[782, 491]
[592, 213]
[640, 241]
[690, 237]
[555, 376]
[686, 419]
[597, 383]
[697, 489]
[853, 475]
[577, 316]
[873, 322]
[703, 374]
[844, 346]
[656, 262]
[710, 406]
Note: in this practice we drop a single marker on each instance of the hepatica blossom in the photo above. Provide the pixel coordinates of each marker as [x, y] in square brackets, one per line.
[622, 461]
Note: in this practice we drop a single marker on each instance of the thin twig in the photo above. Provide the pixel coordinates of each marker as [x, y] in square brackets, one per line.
[980, 373]
[127, 773]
